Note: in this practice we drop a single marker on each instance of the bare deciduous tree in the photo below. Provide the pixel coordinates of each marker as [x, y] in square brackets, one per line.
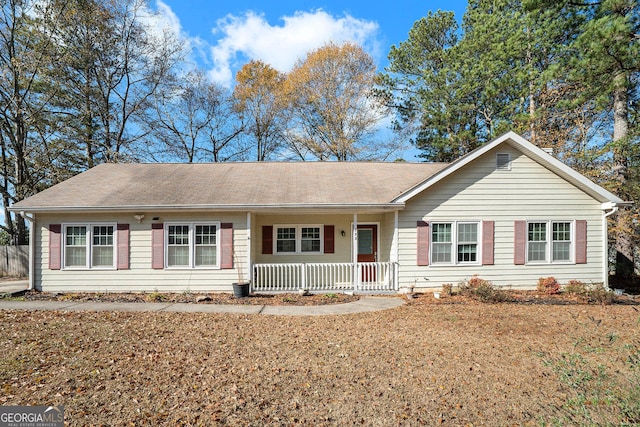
[195, 121]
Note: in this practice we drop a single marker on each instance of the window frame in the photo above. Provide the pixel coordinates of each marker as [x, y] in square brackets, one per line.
[550, 242]
[89, 245]
[455, 243]
[298, 239]
[197, 245]
[191, 244]
[478, 242]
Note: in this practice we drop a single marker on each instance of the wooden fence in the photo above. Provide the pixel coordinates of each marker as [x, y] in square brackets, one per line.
[14, 261]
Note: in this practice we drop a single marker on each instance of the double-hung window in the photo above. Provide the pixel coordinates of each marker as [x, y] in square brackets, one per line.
[561, 242]
[454, 243]
[286, 240]
[467, 242]
[537, 241]
[442, 243]
[206, 245]
[298, 239]
[192, 245]
[89, 246]
[310, 239]
[549, 241]
[178, 245]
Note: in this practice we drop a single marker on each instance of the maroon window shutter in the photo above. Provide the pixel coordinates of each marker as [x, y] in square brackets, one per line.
[157, 246]
[267, 239]
[123, 246]
[329, 239]
[226, 245]
[488, 228]
[581, 242]
[55, 246]
[422, 253]
[520, 242]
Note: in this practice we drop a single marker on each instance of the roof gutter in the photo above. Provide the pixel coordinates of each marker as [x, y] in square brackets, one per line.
[252, 208]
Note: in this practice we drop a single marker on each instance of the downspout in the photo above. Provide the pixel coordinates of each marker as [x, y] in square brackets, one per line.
[32, 224]
[605, 261]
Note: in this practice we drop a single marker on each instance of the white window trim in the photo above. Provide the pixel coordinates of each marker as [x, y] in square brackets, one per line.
[192, 245]
[454, 244]
[549, 241]
[298, 228]
[89, 246]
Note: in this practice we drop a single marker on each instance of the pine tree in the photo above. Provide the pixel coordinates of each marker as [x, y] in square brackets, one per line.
[423, 85]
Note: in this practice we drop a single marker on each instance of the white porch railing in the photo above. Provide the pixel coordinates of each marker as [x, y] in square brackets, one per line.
[370, 277]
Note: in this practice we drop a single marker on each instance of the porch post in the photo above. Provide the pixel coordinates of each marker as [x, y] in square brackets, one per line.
[354, 251]
[249, 266]
[395, 253]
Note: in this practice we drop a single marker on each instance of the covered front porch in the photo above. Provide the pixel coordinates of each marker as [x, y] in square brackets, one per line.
[324, 252]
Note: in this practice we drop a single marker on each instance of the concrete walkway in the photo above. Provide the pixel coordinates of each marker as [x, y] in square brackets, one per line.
[364, 304]
[13, 286]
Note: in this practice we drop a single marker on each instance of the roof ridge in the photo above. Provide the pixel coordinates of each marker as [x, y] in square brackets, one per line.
[299, 162]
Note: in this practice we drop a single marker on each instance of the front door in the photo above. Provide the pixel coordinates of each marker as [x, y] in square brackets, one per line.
[368, 250]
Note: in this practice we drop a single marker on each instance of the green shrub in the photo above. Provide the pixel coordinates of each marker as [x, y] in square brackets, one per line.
[548, 285]
[575, 288]
[156, 296]
[482, 290]
[599, 294]
[595, 293]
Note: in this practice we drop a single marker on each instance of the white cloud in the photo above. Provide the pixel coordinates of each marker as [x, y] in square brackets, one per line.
[168, 20]
[252, 37]
[162, 23]
[240, 39]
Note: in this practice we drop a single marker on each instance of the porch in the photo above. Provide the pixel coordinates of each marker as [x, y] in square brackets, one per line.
[324, 252]
[326, 277]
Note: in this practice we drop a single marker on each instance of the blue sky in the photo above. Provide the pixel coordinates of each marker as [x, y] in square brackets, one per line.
[225, 34]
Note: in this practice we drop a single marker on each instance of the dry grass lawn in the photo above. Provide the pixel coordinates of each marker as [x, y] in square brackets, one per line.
[453, 363]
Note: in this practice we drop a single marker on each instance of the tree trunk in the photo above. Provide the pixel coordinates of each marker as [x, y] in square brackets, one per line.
[532, 114]
[6, 196]
[532, 101]
[624, 226]
[20, 175]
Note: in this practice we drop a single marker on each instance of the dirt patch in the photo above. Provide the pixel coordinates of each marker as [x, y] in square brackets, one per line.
[197, 298]
[450, 362]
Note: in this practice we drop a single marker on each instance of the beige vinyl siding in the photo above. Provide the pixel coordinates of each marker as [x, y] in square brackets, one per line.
[387, 226]
[478, 192]
[140, 277]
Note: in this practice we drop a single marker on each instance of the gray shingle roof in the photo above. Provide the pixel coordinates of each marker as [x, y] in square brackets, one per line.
[227, 185]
